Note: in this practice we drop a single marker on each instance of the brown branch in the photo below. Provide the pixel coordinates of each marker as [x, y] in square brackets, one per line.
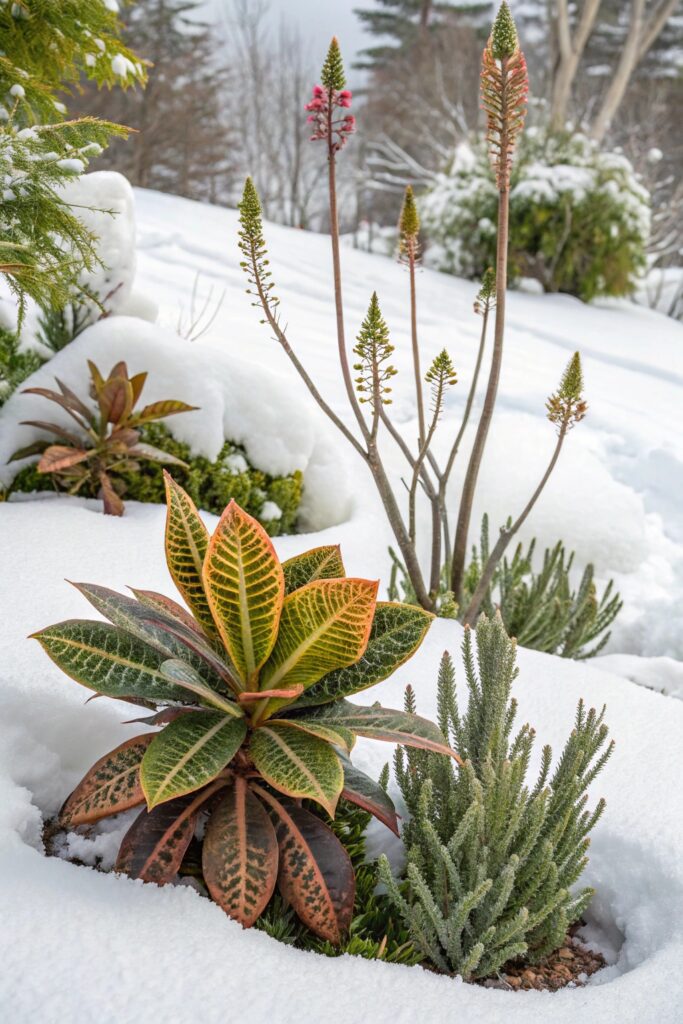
[469, 486]
[336, 266]
[506, 535]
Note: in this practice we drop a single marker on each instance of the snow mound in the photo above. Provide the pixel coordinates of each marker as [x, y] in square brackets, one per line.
[149, 953]
[237, 400]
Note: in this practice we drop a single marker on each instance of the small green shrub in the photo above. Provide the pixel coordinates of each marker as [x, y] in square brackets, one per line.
[579, 218]
[211, 485]
[57, 328]
[491, 862]
[539, 608]
[16, 365]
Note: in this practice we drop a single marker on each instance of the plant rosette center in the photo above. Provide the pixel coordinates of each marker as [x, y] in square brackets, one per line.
[248, 684]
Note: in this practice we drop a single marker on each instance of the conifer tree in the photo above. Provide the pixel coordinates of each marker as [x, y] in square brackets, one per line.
[183, 142]
[46, 47]
[400, 23]
[492, 862]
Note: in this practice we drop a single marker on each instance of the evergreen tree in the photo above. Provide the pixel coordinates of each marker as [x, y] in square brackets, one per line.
[183, 141]
[402, 23]
[46, 46]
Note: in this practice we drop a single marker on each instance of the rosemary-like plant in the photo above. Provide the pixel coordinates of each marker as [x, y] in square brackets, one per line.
[492, 861]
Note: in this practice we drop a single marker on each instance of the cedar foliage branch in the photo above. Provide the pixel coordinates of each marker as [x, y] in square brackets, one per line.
[492, 861]
[46, 48]
[504, 90]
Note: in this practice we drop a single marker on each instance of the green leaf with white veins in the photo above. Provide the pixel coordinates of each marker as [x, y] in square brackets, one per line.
[298, 764]
[188, 753]
[397, 631]
[380, 723]
[109, 660]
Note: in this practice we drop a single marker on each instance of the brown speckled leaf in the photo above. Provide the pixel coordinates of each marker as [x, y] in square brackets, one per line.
[154, 846]
[316, 875]
[240, 855]
[112, 785]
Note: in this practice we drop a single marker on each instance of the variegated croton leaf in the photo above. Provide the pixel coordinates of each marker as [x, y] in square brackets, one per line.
[246, 684]
[318, 564]
[245, 586]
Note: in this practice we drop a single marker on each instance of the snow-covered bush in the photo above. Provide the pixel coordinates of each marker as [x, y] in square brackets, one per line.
[492, 863]
[212, 483]
[579, 219]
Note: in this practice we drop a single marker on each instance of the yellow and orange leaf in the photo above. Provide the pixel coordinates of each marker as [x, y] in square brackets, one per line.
[187, 540]
[244, 586]
[324, 626]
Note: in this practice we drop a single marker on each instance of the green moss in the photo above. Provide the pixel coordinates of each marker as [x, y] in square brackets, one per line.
[211, 485]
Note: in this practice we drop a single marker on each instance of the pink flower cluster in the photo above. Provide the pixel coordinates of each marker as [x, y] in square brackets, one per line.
[322, 106]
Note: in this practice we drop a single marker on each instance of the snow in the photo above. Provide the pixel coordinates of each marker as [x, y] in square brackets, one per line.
[80, 944]
[143, 950]
[104, 202]
[663, 675]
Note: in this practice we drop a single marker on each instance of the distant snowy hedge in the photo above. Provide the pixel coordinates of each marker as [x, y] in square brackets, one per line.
[579, 218]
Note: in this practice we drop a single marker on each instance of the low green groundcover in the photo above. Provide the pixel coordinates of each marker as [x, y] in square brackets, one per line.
[273, 500]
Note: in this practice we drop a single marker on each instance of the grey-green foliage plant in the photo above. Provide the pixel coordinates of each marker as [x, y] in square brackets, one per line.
[493, 861]
[540, 608]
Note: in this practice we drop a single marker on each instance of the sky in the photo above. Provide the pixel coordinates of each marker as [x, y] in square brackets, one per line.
[318, 21]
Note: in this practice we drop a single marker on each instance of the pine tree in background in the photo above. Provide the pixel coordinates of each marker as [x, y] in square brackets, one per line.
[183, 140]
[402, 23]
[492, 863]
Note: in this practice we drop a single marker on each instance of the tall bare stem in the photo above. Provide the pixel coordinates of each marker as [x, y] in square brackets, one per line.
[504, 94]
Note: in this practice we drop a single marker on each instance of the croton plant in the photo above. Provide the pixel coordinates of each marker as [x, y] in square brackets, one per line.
[109, 438]
[250, 690]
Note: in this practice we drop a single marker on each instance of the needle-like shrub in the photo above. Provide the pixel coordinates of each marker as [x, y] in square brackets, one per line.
[493, 862]
[539, 606]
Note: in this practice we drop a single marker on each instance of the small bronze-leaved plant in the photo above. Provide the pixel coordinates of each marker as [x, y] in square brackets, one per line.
[108, 441]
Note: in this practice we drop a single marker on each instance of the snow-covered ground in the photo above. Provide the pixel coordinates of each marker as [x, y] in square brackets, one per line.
[78, 944]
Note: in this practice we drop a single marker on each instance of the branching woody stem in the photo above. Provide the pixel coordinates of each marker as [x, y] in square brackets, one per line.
[506, 535]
